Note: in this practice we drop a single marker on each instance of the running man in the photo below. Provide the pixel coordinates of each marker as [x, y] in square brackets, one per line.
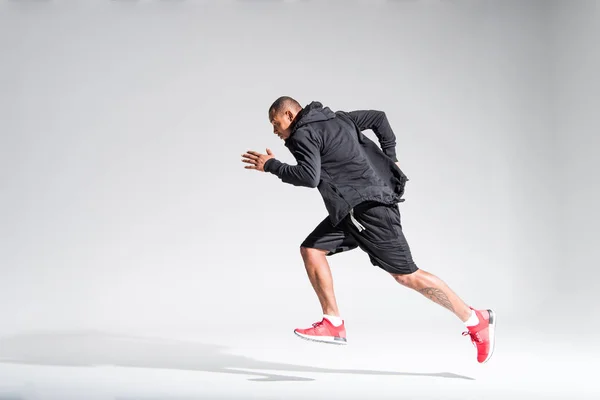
[361, 185]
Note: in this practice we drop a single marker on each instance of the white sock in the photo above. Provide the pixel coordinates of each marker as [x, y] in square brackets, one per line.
[473, 320]
[335, 321]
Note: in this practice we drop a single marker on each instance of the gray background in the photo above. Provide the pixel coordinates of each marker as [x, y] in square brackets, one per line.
[125, 207]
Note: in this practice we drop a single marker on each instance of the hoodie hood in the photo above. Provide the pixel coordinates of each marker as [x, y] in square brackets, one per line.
[313, 112]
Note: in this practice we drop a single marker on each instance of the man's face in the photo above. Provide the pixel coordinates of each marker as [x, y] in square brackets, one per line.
[281, 123]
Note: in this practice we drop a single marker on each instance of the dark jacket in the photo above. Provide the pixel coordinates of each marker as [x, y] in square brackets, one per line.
[334, 156]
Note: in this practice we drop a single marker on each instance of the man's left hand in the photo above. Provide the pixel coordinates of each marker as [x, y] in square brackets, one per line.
[257, 159]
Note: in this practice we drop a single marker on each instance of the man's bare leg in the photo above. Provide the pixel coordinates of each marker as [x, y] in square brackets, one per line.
[321, 279]
[481, 323]
[436, 290]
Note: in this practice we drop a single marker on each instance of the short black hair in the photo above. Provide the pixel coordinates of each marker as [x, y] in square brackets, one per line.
[281, 103]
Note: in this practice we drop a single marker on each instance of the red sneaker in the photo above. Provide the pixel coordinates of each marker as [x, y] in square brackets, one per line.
[324, 331]
[483, 335]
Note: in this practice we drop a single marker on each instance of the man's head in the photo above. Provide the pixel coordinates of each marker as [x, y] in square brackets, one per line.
[282, 113]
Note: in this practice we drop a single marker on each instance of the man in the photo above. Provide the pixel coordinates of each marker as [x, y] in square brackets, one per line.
[361, 185]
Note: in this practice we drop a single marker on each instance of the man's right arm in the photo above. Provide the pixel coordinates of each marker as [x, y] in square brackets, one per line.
[377, 122]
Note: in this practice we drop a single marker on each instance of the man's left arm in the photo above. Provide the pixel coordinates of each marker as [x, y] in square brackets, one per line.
[306, 151]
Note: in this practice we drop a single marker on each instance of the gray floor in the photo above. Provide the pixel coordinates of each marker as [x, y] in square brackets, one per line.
[264, 364]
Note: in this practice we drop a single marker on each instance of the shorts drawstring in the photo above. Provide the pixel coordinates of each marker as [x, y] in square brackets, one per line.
[355, 222]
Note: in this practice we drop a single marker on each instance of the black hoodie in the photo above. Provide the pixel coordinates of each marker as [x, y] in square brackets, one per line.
[334, 156]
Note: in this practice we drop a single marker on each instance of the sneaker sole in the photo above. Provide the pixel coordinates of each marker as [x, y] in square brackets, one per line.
[323, 339]
[492, 328]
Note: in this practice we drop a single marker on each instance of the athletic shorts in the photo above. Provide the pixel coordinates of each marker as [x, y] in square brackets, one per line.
[373, 227]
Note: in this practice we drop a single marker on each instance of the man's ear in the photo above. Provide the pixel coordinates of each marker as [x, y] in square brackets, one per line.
[289, 114]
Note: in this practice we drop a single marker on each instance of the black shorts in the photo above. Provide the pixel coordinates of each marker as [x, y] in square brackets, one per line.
[382, 237]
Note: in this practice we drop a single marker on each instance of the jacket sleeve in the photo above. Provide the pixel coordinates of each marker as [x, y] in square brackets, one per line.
[377, 122]
[306, 150]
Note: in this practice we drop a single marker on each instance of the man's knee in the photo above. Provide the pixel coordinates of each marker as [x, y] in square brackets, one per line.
[407, 279]
[304, 251]
[308, 252]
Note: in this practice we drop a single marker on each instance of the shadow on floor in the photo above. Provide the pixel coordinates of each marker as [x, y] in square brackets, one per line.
[89, 349]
